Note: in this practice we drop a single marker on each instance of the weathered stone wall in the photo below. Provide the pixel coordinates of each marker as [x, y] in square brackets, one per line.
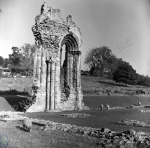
[51, 33]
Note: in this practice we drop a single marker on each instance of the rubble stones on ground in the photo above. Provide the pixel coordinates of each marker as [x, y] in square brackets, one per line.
[105, 130]
[133, 123]
[101, 107]
[75, 115]
[107, 107]
[139, 103]
[107, 138]
[27, 124]
[109, 93]
[144, 111]
[8, 115]
[100, 93]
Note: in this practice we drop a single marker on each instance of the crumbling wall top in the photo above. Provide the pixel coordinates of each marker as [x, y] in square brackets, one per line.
[49, 26]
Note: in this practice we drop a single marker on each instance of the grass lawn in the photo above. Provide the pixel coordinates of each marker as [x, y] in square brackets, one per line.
[89, 85]
[98, 84]
[20, 139]
[97, 119]
[101, 119]
[16, 138]
[19, 84]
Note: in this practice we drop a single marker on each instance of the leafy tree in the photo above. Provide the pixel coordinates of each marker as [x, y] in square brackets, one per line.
[7, 63]
[27, 61]
[22, 59]
[100, 58]
[147, 81]
[16, 57]
[1, 61]
[143, 80]
[112, 64]
[125, 74]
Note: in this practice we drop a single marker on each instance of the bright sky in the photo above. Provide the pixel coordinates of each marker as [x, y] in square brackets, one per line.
[122, 25]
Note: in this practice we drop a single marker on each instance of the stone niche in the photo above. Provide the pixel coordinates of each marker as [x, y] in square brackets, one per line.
[57, 82]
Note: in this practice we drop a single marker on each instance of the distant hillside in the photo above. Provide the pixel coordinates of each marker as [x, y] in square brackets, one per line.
[89, 85]
[104, 85]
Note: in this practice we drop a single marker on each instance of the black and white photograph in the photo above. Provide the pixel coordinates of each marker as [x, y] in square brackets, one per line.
[74, 74]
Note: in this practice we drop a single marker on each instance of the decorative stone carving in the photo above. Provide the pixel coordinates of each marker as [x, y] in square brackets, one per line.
[51, 33]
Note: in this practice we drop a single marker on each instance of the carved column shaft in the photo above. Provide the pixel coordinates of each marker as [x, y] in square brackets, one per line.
[43, 67]
[68, 70]
[38, 64]
[52, 96]
[80, 95]
[79, 72]
[35, 64]
[71, 70]
[76, 70]
[57, 82]
[60, 61]
[48, 86]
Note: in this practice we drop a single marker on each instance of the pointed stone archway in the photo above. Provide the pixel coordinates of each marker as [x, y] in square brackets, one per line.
[57, 85]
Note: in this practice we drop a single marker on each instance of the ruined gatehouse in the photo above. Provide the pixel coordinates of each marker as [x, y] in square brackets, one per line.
[57, 83]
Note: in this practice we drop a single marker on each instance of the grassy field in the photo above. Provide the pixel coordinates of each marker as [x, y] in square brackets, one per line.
[97, 118]
[18, 84]
[15, 90]
[89, 85]
[12, 137]
[103, 85]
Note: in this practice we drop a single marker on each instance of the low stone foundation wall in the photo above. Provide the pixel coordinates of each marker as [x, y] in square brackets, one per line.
[75, 115]
[133, 123]
[107, 138]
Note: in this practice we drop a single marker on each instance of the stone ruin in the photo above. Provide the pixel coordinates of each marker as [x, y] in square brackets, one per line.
[57, 83]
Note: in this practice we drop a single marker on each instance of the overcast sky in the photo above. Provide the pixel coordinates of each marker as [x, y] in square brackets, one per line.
[122, 25]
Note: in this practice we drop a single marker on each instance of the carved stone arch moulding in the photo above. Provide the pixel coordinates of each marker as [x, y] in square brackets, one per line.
[71, 40]
[74, 39]
[50, 28]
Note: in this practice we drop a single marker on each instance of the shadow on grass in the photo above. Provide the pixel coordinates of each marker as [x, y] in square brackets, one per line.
[112, 83]
[20, 128]
[13, 92]
[17, 100]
